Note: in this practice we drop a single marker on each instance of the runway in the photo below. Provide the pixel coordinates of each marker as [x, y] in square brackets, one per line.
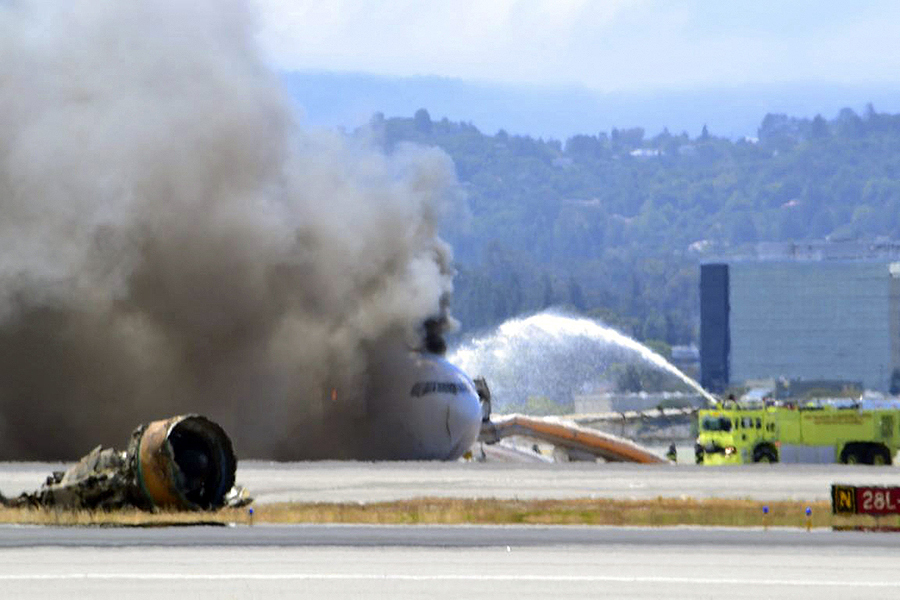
[372, 482]
[405, 562]
[333, 481]
[348, 561]
[337, 481]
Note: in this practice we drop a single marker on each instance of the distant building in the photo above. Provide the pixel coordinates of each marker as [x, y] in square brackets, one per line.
[687, 359]
[645, 152]
[637, 401]
[826, 311]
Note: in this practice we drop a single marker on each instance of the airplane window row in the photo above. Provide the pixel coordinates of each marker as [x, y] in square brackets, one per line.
[421, 388]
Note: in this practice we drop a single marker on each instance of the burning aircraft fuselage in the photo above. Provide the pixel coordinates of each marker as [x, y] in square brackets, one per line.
[428, 410]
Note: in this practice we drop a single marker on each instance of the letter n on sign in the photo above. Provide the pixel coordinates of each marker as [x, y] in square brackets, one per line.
[843, 499]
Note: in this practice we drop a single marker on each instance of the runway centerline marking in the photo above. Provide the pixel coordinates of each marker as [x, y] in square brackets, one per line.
[474, 578]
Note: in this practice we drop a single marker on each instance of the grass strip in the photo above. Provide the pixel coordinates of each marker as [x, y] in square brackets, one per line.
[658, 512]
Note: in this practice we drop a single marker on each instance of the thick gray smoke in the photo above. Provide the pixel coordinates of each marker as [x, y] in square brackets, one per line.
[171, 241]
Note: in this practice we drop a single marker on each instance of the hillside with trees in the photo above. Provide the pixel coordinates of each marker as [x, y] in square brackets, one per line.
[614, 224]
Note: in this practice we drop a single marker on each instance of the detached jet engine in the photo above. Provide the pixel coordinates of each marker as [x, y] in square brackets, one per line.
[181, 463]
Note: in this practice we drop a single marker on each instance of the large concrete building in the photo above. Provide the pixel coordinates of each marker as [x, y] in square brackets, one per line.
[813, 311]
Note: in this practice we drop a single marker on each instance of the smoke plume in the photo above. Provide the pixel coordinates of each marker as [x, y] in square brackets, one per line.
[171, 241]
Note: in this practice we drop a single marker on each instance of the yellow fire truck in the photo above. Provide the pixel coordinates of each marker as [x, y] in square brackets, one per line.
[808, 434]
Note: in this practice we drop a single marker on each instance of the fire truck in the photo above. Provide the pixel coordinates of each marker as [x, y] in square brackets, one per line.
[735, 434]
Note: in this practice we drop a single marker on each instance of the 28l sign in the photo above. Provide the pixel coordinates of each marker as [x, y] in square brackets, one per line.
[865, 500]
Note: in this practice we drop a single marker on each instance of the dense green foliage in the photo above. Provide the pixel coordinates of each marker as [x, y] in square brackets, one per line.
[614, 225]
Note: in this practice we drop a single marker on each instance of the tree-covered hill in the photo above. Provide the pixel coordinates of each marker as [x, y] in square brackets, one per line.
[614, 224]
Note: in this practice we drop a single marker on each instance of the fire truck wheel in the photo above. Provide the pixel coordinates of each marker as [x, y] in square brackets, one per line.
[764, 455]
[850, 457]
[878, 456]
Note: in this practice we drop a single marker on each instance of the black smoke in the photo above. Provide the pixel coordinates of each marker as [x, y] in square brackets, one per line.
[172, 241]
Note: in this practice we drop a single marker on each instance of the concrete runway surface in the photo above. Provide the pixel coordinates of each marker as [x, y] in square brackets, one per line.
[332, 481]
[448, 562]
[367, 482]
[404, 562]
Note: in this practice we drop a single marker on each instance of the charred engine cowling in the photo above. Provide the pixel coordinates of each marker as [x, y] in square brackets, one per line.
[182, 463]
[185, 463]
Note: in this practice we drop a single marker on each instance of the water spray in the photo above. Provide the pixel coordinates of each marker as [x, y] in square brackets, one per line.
[549, 350]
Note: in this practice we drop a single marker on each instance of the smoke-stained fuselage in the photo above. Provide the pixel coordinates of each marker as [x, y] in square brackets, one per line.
[427, 410]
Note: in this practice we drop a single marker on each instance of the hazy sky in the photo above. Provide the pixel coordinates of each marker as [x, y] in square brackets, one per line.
[602, 44]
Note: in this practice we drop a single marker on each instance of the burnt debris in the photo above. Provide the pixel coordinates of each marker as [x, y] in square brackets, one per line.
[181, 463]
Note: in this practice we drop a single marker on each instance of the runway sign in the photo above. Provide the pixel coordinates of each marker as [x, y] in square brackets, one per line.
[864, 500]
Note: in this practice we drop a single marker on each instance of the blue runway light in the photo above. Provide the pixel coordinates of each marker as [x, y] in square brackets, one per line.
[765, 510]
